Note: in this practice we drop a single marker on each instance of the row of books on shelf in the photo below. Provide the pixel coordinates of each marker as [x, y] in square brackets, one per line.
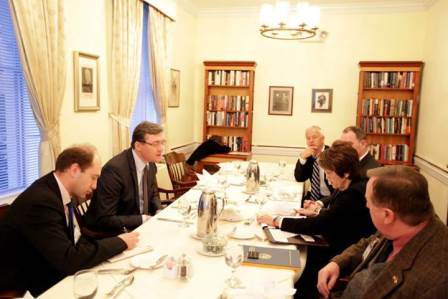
[228, 78]
[389, 80]
[228, 119]
[221, 102]
[236, 143]
[390, 152]
[380, 125]
[386, 107]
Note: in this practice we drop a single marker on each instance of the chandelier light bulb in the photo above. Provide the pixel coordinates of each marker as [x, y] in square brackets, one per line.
[281, 12]
[314, 16]
[266, 15]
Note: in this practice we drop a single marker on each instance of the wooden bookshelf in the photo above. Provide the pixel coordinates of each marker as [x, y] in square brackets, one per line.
[228, 102]
[388, 101]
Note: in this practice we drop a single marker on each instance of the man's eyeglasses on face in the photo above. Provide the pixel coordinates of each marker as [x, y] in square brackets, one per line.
[155, 143]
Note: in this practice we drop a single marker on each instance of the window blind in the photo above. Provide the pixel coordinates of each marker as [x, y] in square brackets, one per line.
[19, 134]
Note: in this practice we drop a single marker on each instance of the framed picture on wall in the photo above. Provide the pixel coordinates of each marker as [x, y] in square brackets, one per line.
[174, 97]
[280, 100]
[322, 100]
[86, 74]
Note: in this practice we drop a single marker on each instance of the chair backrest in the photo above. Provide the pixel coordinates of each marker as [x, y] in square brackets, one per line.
[80, 207]
[176, 165]
[3, 209]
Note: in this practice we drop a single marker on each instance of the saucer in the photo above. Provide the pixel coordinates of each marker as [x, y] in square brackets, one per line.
[248, 193]
[195, 236]
[242, 234]
[232, 218]
[211, 254]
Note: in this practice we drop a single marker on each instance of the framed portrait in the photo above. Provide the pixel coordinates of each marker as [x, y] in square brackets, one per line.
[173, 100]
[87, 82]
[322, 100]
[280, 100]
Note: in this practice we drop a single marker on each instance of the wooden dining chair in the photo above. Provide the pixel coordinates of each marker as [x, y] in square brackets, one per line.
[7, 294]
[180, 174]
[80, 207]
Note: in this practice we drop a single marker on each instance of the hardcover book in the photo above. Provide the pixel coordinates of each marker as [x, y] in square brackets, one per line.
[271, 257]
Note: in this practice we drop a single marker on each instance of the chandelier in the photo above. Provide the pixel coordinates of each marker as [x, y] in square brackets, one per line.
[278, 22]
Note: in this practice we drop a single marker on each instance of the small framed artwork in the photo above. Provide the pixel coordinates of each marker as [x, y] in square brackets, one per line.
[87, 82]
[173, 100]
[322, 100]
[280, 100]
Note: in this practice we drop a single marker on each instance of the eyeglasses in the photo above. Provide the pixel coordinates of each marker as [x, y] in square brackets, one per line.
[154, 144]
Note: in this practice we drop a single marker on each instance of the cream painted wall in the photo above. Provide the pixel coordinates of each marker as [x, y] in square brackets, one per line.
[85, 25]
[433, 121]
[432, 143]
[332, 64]
[180, 119]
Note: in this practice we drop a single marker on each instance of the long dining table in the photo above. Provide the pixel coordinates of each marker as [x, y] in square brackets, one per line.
[164, 234]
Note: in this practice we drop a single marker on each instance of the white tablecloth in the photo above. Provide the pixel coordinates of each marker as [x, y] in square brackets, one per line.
[209, 273]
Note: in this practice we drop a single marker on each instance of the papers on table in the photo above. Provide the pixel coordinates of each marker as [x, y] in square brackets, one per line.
[281, 236]
[130, 253]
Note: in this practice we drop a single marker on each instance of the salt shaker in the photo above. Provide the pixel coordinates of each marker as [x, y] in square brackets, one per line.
[184, 267]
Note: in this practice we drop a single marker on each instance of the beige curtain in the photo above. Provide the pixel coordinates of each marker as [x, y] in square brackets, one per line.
[159, 31]
[127, 21]
[39, 26]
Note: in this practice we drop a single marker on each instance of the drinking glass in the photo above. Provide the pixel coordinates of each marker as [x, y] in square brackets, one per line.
[184, 208]
[282, 166]
[234, 258]
[85, 283]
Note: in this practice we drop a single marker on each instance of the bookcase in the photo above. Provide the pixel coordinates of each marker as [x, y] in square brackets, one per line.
[228, 102]
[388, 100]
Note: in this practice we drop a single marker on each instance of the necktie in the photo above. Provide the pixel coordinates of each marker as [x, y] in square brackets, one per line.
[71, 228]
[315, 181]
[145, 177]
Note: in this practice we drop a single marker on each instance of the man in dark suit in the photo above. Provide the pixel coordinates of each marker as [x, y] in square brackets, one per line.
[358, 138]
[127, 189]
[38, 241]
[307, 167]
[408, 257]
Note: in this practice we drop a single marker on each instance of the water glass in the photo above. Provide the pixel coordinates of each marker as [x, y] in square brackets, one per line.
[85, 283]
[233, 258]
[184, 208]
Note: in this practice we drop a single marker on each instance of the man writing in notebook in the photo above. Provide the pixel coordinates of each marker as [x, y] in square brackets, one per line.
[408, 257]
[39, 240]
[127, 192]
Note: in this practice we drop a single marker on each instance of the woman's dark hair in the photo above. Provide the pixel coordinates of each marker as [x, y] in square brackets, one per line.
[341, 158]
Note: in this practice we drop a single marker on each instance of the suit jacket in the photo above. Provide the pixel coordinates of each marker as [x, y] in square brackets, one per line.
[305, 171]
[35, 244]
[368, 162]
[419, 270]
[343, 223]
[116, 203]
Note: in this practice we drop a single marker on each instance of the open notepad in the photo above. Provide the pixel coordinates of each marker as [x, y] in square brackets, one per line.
[278, 236]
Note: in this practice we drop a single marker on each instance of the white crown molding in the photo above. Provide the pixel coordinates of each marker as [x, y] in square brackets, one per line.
[188, 6]
[391, 6]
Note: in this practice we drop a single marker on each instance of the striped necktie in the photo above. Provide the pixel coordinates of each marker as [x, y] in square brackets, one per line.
[315, 181]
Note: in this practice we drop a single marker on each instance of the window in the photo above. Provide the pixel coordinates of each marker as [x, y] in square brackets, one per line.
[19, 134]
[145, 108]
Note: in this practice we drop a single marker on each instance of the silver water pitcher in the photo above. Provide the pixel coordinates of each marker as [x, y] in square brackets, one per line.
[208, 213]
[252, 177]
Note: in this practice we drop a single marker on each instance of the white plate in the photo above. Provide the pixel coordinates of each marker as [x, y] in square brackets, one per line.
[211, 254]
[146, 261]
